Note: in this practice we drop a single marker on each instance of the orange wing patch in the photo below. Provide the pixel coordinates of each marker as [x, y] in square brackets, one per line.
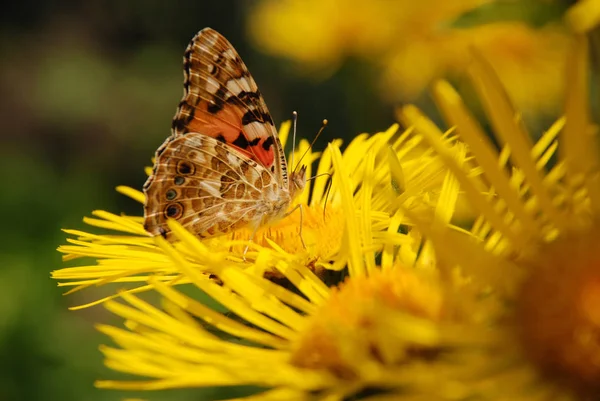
[226, 125]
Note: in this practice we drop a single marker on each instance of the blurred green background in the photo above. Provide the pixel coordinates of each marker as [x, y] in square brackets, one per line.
[88, 93]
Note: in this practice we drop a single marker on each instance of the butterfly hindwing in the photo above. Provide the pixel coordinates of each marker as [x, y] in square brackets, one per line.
[205, 186]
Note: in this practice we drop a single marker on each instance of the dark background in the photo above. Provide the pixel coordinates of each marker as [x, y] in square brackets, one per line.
[88, 93]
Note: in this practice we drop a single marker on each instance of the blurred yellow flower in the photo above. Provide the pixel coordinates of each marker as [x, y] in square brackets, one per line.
[413, 43]
[529, 61]
[534, 247]
[319, 34]
[584, 15]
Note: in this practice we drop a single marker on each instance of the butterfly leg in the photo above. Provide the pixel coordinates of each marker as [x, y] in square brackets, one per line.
[298, 206]
[232, 239]
[250, 240]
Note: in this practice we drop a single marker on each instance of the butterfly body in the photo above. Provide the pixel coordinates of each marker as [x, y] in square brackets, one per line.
[223, 166]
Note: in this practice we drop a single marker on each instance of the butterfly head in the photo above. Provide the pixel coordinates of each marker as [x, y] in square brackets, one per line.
[297, 181]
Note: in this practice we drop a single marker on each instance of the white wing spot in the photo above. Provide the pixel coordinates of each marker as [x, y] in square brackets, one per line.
[256, 129]
[211, 39]
[211, 187]
[254, 176]
[212, 85]
[238, 85]
[233, 160]
[194, 141]
[229, 53]
[199, 158]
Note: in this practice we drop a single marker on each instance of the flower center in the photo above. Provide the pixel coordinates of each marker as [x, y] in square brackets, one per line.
[371, 321]
[321, 232]
[558, 310]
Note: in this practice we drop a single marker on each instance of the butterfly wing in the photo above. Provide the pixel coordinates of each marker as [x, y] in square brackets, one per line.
[205, 186]
[222, 100]
[223, 166]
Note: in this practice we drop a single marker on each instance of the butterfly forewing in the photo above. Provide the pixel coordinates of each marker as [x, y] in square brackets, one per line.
[223, 166]
[222, 100]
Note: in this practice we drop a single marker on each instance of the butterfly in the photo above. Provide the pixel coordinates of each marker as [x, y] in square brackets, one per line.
[223, 166]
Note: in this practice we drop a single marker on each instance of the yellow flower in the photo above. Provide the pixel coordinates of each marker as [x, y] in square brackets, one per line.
[534, 248]
[529, 61]
[413, 43]
[261, 336]
[332, 343]
[324, 32]
[131, 255]
[584, 15]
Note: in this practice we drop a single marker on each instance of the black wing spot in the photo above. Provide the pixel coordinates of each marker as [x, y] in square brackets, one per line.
[178, 124]
[215, 104]
[171, 194]
[164, 146]
[185, 114]
[185, 168]
[178, 180]
[268, 143]
[252, 116]
[174, 210]
[221, 138]
[162, 232]
[213, 108]
[247, 96]
[241, 141]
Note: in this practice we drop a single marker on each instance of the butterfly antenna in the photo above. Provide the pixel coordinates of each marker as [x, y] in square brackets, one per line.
[329, 186]
[295, 122]
[323, 125]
